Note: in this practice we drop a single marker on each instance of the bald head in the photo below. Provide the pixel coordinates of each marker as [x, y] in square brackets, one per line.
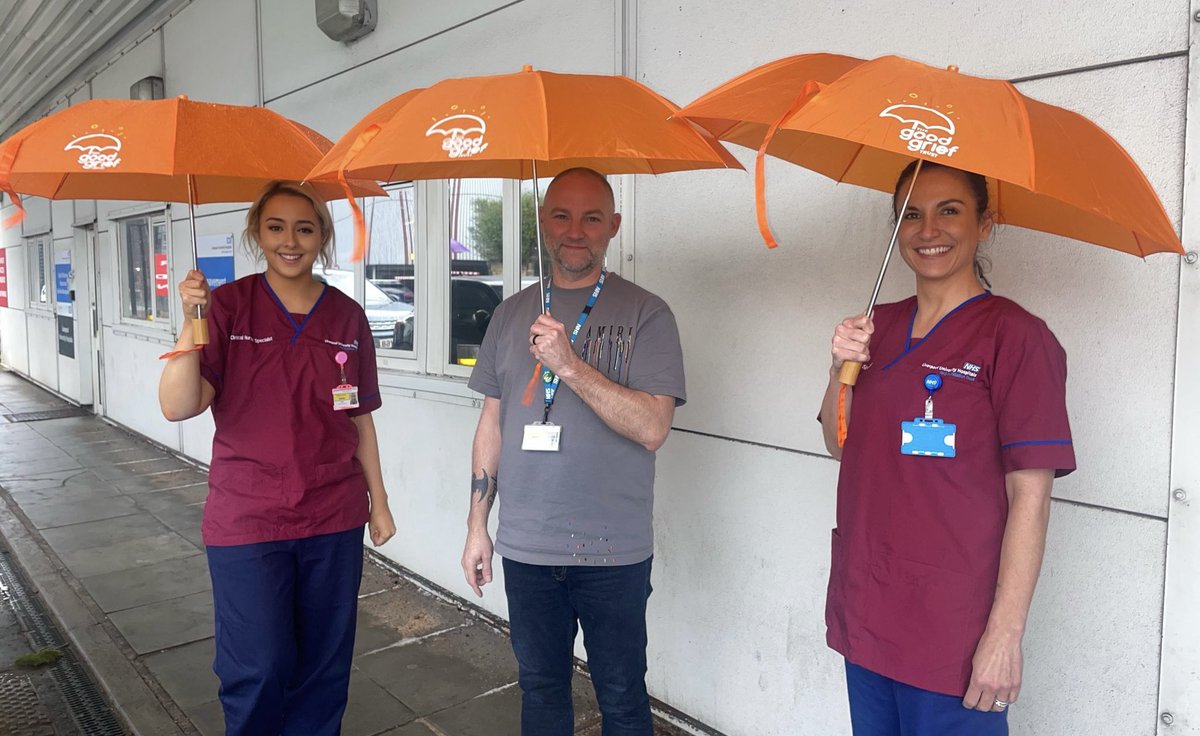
[582, 174]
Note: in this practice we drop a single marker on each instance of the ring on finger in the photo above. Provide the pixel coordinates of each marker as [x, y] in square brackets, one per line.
[533, 339]
[999, 705]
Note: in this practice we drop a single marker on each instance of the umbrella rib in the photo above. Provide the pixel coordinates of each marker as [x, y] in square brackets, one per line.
[1019, 99]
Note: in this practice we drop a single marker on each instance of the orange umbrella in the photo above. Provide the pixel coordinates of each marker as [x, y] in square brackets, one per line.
[515, 126]
[862, 122]
[173, 150]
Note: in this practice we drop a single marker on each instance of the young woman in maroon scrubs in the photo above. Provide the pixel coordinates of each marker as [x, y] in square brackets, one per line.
[957, 428]
[289, 373]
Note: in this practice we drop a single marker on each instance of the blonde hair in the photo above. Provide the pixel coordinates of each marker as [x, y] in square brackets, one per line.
[295, 189]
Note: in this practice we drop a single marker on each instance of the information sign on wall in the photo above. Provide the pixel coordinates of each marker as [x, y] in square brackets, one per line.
[62, 283]
[214, 258]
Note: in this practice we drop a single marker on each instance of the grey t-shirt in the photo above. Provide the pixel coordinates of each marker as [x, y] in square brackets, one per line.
[591, 502]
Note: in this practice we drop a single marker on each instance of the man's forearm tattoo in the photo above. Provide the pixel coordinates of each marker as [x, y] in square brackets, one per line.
[484, 487]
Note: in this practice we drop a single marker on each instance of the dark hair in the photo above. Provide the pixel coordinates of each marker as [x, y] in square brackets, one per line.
[975, 182]
[979, 190]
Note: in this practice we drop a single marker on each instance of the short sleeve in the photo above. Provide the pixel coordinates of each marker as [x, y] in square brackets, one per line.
[212, 357]
[1029, 382]
[656, 357]
[483, 376]
[369, 398]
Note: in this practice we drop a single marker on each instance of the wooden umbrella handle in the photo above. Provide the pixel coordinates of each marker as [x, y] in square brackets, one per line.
[199, 331]
[848, 374]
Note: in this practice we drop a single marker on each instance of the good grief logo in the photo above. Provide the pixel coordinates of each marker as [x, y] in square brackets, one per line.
[462, 134]
[930, 133]
[97, 150]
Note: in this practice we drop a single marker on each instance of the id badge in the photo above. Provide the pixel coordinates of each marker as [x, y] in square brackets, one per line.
[541, 437]
[927, 438]
[345, 397]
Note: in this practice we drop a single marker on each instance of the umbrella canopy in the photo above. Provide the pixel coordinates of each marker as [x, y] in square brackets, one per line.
[862, 122]
[507, 125]
[148, 150]
[174, 150]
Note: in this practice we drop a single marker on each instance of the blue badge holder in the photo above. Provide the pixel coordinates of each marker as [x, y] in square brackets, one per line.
[927, 438]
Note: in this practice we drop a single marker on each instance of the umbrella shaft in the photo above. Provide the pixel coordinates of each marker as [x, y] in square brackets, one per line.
[192, 225]
[537, 220]
[887, 258]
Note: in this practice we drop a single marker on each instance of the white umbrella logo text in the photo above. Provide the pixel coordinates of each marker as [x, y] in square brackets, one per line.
[98, 150]
[462, 135]
[921, 136]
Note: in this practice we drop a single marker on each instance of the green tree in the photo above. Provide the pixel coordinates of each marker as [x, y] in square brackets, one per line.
[487, 231]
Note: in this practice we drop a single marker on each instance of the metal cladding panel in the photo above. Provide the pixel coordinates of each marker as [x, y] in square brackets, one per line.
[741, 562]
[204, 69]
[685, 49]
[1092, 640]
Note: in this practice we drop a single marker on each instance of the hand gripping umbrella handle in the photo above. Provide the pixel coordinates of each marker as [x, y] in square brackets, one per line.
[848, 376]
[199, 323]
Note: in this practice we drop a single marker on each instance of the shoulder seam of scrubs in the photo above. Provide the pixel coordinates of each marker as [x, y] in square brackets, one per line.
[909, 347]
[1036, 442]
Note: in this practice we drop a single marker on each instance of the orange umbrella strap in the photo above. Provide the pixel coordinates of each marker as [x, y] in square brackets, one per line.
[760, 173]
[360, 224]
[7, 157]
[177, 353]
[527, 399]
[843, 427]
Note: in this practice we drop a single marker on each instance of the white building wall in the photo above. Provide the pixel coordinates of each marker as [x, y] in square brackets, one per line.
[745, 490]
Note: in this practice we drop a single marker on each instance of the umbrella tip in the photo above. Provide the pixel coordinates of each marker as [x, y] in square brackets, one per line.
[182, 97]
[952, 68]
[527, 68]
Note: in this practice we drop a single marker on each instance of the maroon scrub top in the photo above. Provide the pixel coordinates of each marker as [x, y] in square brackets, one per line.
[283, 464]
[916, 551]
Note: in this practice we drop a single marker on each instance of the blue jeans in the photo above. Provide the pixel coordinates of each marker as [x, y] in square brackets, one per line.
[546, 607]
[881, 706]
[285, 616]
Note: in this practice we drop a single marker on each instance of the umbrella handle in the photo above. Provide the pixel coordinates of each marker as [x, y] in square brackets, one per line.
[848, 375]
[199, 330]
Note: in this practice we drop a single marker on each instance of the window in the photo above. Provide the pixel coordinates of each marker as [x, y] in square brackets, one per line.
[389, 285]
[145, 269]
[476, 252]
[41, 267]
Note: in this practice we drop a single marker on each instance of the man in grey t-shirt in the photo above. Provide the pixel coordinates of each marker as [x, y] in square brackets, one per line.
[569, 432]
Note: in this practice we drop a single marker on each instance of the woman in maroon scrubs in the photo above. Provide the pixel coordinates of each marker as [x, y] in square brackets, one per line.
[290, 376]
[957, 428]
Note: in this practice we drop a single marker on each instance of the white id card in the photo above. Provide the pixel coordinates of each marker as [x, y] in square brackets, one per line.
[541, 437]
[345, 397]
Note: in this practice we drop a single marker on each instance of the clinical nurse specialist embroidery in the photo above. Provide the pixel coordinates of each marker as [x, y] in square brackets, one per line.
[544, 436]
[927, 436]
[345, 396]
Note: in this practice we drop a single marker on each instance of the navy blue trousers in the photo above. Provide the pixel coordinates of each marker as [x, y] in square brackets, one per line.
[881, 706]
[285, 615]
[546, 607]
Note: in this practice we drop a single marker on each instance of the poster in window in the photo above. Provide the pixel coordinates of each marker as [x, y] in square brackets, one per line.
[3, 277]
[214, 258]
[62, 283]
[162, 280]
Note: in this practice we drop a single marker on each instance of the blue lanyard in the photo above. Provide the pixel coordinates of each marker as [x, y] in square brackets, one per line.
[550, 380]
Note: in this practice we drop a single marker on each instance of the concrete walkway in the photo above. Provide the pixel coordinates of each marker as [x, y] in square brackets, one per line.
[107, 526]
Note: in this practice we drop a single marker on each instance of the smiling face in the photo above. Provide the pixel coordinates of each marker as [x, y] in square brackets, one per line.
[577, 223]
[289, 233]
[941, 228]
